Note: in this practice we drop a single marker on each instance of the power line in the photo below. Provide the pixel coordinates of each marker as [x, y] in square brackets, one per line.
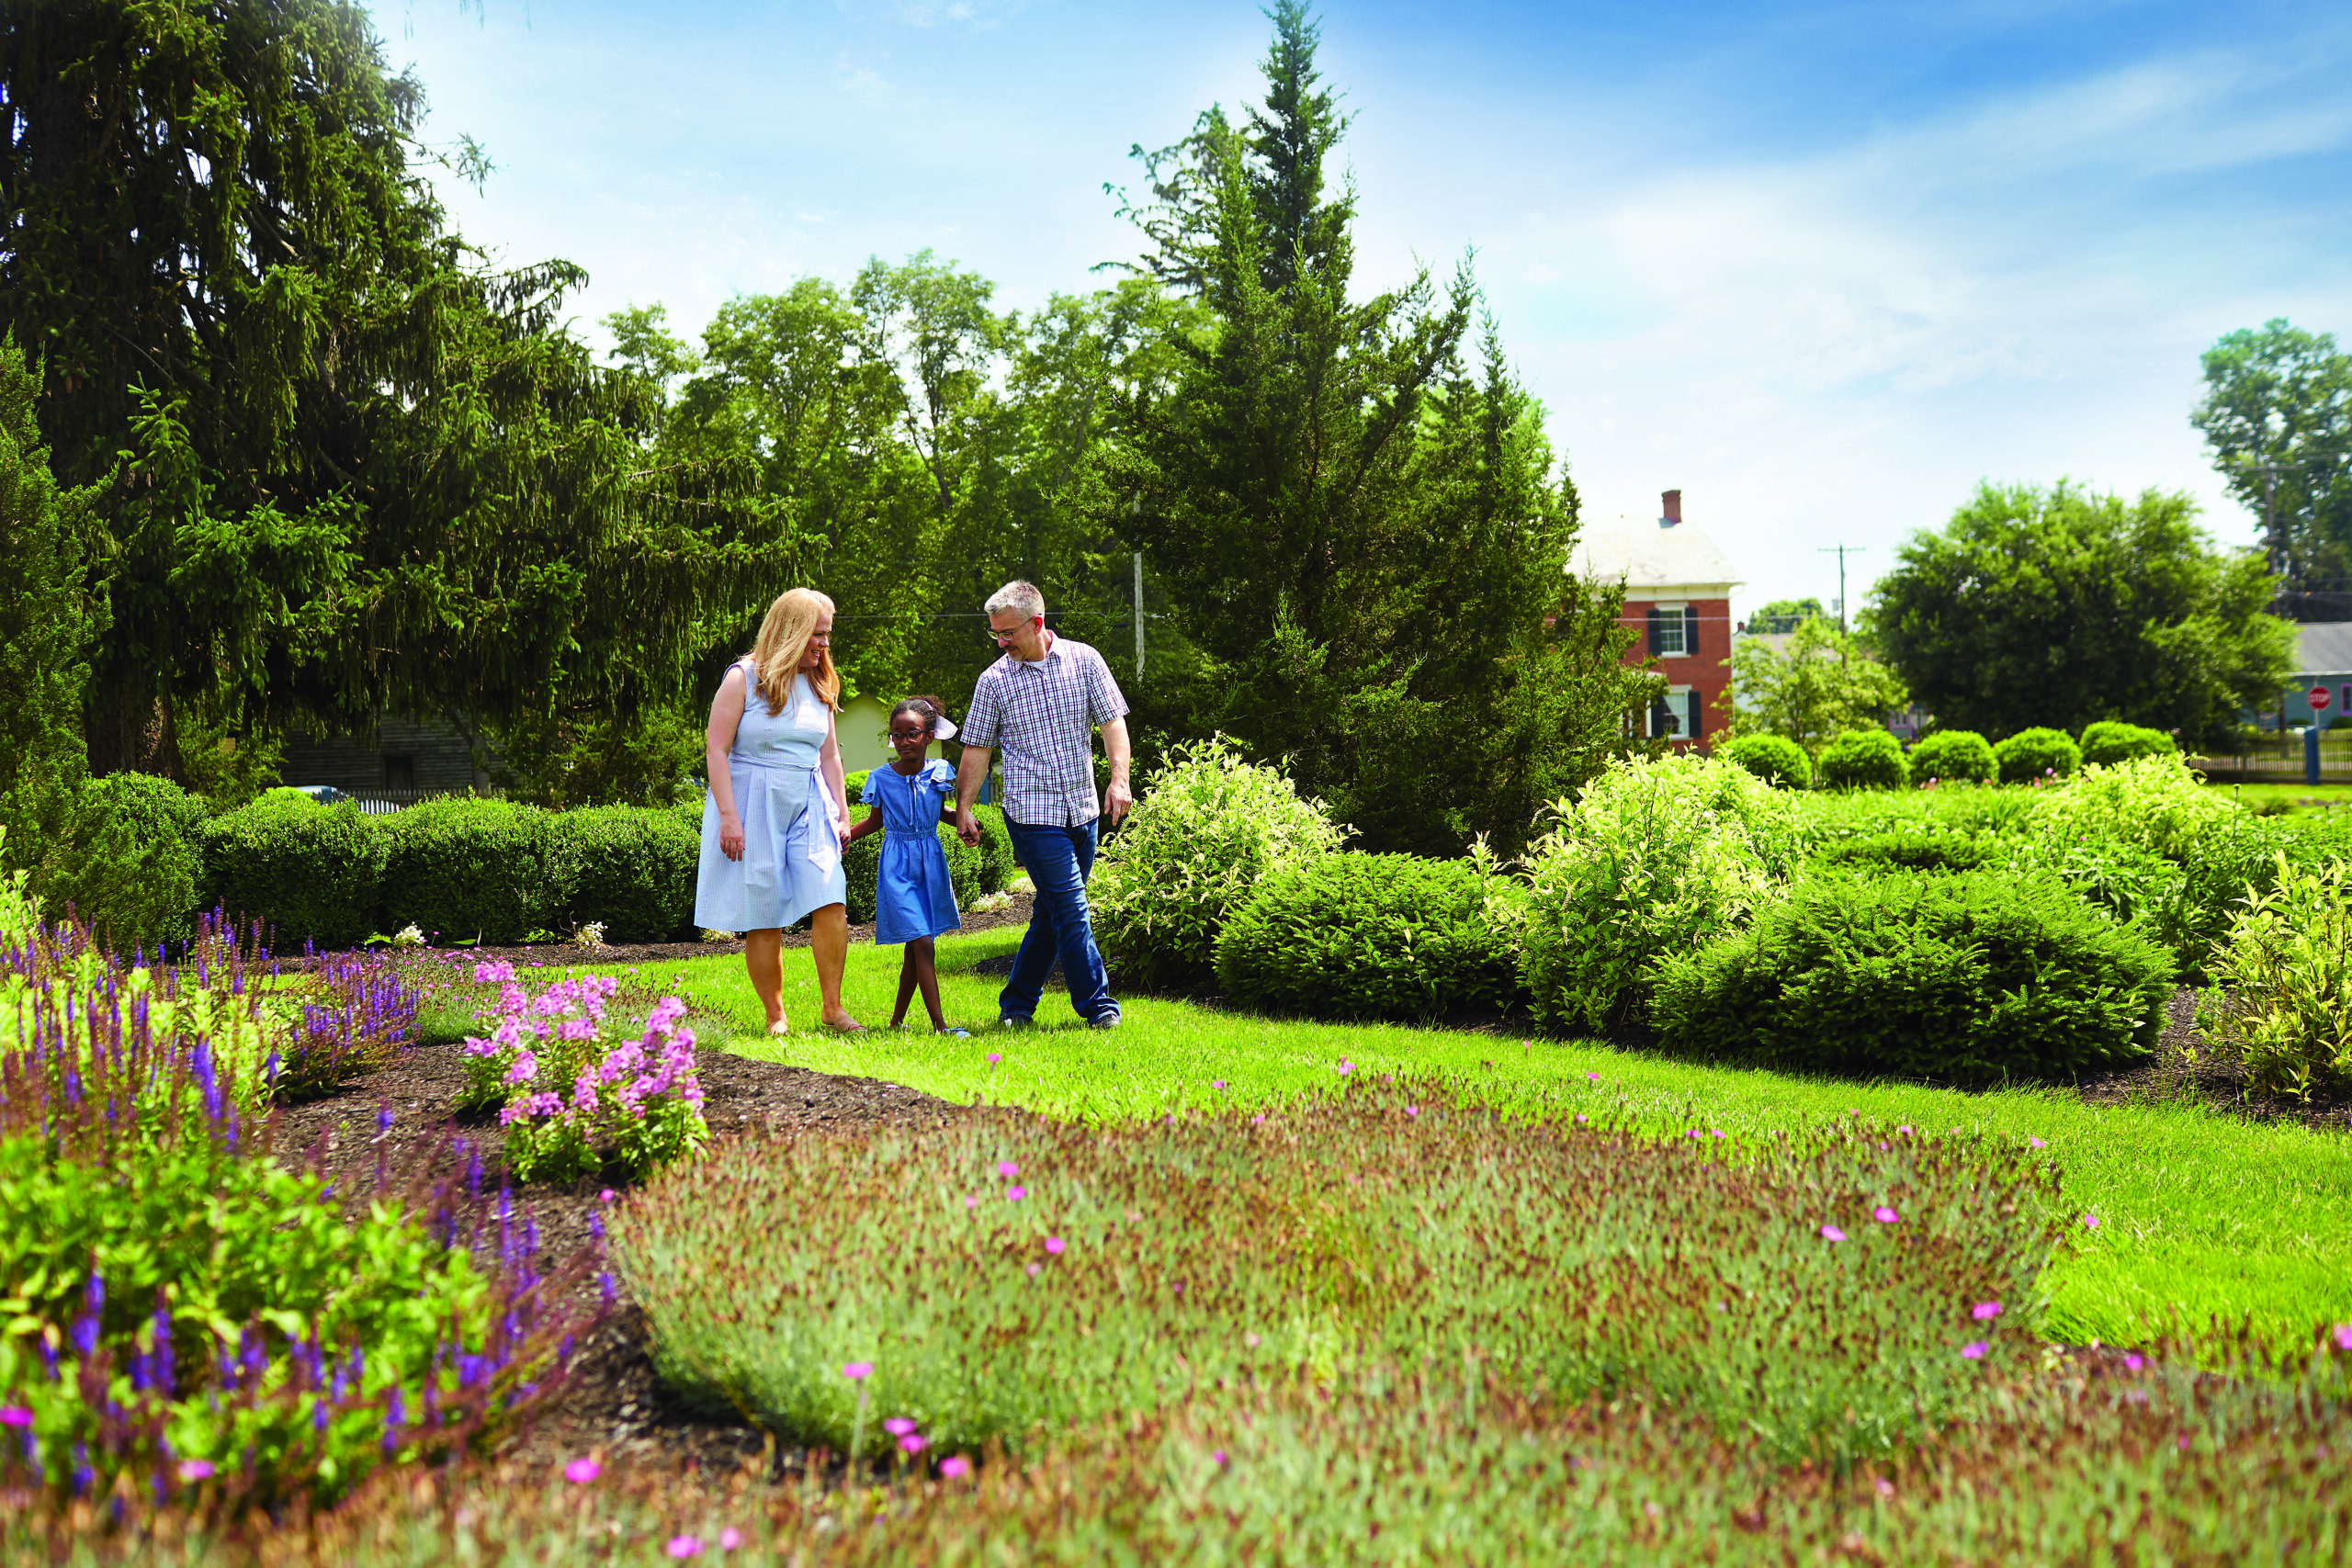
[1842, 551]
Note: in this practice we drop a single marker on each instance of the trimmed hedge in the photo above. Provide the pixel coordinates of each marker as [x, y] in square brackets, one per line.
[1886, 853]
[1777, 760]
[630, 867]
[132, 871]
[1955, 756]
[311, 872]
[2031, 754]
[1979, 976]
[461, 867]
[2110, 741]
[1361, 936]
[1863, 759]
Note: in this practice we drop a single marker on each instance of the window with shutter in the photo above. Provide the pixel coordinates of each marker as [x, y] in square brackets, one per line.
[1690, 632]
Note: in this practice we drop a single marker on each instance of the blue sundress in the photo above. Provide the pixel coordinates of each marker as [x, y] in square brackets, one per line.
[912, 898]
[792, 846]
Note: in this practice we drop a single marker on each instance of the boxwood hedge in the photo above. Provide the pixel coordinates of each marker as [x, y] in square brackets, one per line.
[460, 868]
[311, 872]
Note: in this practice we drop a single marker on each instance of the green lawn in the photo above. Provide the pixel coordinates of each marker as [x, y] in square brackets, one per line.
[2200, 1214]
[2298, 799]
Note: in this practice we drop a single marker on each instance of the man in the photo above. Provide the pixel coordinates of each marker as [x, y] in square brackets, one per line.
[1040, 704]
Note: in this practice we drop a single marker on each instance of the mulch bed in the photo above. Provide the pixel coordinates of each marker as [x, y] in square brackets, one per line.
[2181, 1071]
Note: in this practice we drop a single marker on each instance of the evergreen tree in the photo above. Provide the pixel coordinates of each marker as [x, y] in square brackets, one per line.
[366, 471]
[49, 620]
[1357, 525]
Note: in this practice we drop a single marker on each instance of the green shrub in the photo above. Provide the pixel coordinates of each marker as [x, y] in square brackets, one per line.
[1863, 759]
[146, 1270]
[631, 868]
[2128, 881]
[460, 868]
[853, 785]
[997, 868]
[1207, 831]
[2157, 804]
[2033, 755]
[1658, 855]
[131, 875]
[2111, 740]
[310, 873]
[1775, 759]
[2282, 996]
[1025, 1280]
[1979, 976]
[1357, 936]
[1887, 854]
[1955, 756]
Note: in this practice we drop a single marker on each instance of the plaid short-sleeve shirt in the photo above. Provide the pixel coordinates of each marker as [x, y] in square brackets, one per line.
[1042, 717]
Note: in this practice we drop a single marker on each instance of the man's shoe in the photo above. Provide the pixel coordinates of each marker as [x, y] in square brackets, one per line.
[1015, 1021]
[1104, 1020]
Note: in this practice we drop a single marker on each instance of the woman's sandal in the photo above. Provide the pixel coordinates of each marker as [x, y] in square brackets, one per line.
[781, 1026]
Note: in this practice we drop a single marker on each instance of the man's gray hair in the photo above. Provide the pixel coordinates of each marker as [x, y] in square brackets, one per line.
[1017, 594]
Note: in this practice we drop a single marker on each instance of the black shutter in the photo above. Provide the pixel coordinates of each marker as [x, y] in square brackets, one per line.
[1690, 632]
[1658, 624]
[1698, 708]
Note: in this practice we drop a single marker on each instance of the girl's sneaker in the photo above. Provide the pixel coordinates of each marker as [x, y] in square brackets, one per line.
[954, 1033]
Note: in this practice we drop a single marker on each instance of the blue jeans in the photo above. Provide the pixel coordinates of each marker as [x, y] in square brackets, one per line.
[1058, 860]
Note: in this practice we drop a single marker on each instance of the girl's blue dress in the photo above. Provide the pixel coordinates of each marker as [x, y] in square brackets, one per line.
[912, 897]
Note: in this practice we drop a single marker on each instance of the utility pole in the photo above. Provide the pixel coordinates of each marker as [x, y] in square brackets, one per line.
[1135, 509]
[1841, 552]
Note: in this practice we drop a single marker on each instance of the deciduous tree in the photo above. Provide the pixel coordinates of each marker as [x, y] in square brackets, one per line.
[2278, 415]
[1824, 682]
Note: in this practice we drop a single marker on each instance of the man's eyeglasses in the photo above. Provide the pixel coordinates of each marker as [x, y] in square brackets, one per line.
[999, 639]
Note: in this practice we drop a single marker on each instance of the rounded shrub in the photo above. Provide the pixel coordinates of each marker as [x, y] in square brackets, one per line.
[1883, 855]
[1775, 759]
[1207, 829]
[1658, 856]
[462, 867]
[310, 873]
[2040, 753]
[1955, 756]
[2111, 740]
[1357, 936]
[2158, 803]
[1980, 977]
[1863, 759]
[132, 871]
[627, 867]
[997, 867]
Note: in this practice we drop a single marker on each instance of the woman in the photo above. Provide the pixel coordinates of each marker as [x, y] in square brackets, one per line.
[776, 817]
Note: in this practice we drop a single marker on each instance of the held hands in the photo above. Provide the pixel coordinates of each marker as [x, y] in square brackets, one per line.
[965, 827]
[731, 835]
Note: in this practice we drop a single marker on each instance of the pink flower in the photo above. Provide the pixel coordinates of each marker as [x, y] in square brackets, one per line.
[1217, 1456]
[1884, 1215]
[1036, 1269]
[2035, 1144]
[912, 1443]
[581, 1472]
[2344, 1335]
[196, 1470]
[1254, 1120]
[684, 1546]
[2090, 1222]
[899, 1425]
[1007, 1169]
[1984, 1310]
[1831, 1233]
[1718, 1132]
[1252, 1340]
[1973, 1350]
[1346, 1067]
[858, 1371]
[15, 1416]
[1884, 1487]
[1904, 1131]
[2134, 1363]
[995, 1056]
[1412, 1111]
[1581, 1118]
[730, 1538]
[1592, 1078]
[971, 1202]
[954, 1465]
[606, 1196]
[1014, 1194]
[1053, 1245]
[1216, 1083]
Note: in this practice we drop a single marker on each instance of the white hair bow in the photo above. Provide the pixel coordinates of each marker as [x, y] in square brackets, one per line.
[941, 727]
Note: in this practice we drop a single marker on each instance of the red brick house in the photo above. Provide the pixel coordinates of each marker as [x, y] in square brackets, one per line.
[1678, 599]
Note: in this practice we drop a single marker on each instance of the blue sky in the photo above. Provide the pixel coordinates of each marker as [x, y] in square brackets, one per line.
[1822, 267]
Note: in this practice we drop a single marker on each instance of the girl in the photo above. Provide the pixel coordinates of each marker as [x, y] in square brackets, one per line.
[913, 899]
[776, 818]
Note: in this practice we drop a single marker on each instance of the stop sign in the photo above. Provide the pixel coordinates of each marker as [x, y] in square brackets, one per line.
[2319, 698]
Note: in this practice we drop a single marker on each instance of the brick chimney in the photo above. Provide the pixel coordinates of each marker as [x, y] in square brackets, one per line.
[1673, 500]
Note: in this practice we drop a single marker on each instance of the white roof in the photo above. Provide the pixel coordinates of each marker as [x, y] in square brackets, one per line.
[1648, 555]
[2324, 648]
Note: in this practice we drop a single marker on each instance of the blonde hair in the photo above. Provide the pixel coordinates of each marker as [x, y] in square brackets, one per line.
[783, 637]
